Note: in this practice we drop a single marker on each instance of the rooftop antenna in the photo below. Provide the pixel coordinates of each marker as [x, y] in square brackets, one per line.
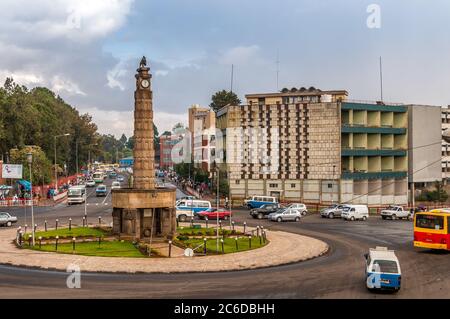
[278, 68]
[381, 79]
[232, 77]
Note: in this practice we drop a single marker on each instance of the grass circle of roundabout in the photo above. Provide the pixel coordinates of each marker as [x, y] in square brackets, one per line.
[97, 251]
[96, 241]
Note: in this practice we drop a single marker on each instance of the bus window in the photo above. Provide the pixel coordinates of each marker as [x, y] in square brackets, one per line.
[448, 225]
[430, 222]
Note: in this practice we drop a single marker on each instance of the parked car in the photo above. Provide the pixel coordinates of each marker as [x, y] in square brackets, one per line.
[120, 178]
[301, 207]
[285, 214]
[394, 212]
[90, 183]
[382, 269]
[101, 190]
[258, 201]
[7, 220]
[264, 210]
[355, 212]
[212, 213]
[332, 211]
[115, 185]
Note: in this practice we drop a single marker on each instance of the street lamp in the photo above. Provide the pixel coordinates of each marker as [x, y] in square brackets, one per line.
[56, 171]
[30, 161]
[218, 202]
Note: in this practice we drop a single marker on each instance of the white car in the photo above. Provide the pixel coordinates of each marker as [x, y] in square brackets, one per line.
[115, 185]
[90, 183]
[298, 206]
[394, 212]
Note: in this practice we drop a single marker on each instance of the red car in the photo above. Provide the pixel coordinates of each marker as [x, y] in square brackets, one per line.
[212, 213]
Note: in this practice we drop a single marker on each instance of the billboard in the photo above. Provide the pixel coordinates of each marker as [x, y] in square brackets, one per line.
[12, 171]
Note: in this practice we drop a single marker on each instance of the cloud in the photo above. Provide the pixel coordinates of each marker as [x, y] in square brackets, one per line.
[60, 84]
[119, 122]
[241, 55]
[77, 20]
[24, 78]
[116, 75]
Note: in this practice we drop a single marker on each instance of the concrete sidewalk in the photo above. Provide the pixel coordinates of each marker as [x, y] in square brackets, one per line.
[283, 248]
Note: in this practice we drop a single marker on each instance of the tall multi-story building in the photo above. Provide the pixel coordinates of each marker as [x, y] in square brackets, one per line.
[167, 143]
[202, 125]
[445, 126]
[316, 147]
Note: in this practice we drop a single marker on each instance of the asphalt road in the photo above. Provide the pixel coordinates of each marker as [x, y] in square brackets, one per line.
[339, 274]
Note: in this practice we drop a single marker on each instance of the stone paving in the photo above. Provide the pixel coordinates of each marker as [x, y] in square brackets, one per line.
[283, 248]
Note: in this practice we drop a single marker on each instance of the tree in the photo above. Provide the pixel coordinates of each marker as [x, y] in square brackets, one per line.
[437, 195]
[41, 166]
[223, 98]
[123, 139]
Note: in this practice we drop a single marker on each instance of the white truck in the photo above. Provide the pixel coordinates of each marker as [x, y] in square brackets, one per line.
[394, 212]
[76, 195]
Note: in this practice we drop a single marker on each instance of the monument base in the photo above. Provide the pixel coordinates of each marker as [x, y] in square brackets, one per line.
[144, 214]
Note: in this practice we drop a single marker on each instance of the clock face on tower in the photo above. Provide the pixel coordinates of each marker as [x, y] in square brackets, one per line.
[145, 84]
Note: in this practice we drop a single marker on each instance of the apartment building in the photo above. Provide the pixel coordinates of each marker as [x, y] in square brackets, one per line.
[316, 146]
[445, 148]
[202, 125]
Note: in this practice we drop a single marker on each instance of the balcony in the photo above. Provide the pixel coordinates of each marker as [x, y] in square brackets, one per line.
[369, 152]
[373, 130]
[373, 175]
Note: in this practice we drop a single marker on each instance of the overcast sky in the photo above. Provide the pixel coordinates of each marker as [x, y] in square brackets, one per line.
[88, 51]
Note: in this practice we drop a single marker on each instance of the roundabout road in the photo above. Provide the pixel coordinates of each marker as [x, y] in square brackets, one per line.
[338, 274]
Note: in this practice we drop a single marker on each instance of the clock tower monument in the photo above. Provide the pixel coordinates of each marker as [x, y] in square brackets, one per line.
[144, 212]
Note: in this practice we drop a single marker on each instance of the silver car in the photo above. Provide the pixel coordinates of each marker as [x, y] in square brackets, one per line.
[7, 220]
[332, 211]
[287, 214]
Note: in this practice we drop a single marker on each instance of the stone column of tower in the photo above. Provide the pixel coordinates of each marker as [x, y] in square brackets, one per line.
[143, 152]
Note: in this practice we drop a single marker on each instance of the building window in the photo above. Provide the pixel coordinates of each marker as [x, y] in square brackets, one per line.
[292, 185]
[273, 185]
[237, 182]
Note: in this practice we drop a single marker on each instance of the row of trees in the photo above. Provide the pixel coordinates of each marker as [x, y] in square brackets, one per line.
[35, 117]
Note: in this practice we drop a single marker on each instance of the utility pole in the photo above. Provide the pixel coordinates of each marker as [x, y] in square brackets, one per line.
[232, 76]
[76, 154]
[381, 79]
[30, 160]
[278, 68]
[217, 215]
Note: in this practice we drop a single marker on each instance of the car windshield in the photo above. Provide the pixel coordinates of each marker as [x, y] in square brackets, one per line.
[74, 192]
[281, 211]
[101, 188]
[430, 222]
[385, 266]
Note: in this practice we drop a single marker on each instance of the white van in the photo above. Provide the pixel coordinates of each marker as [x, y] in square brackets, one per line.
[355, 212]
[187, 207]
[258, 201]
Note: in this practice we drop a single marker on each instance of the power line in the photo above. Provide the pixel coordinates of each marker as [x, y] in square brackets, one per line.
[416, 171]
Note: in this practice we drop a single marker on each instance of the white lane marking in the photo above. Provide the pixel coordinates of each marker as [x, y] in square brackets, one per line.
[106, 197]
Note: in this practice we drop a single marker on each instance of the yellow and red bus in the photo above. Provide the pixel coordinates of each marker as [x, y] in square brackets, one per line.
[432, 229]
